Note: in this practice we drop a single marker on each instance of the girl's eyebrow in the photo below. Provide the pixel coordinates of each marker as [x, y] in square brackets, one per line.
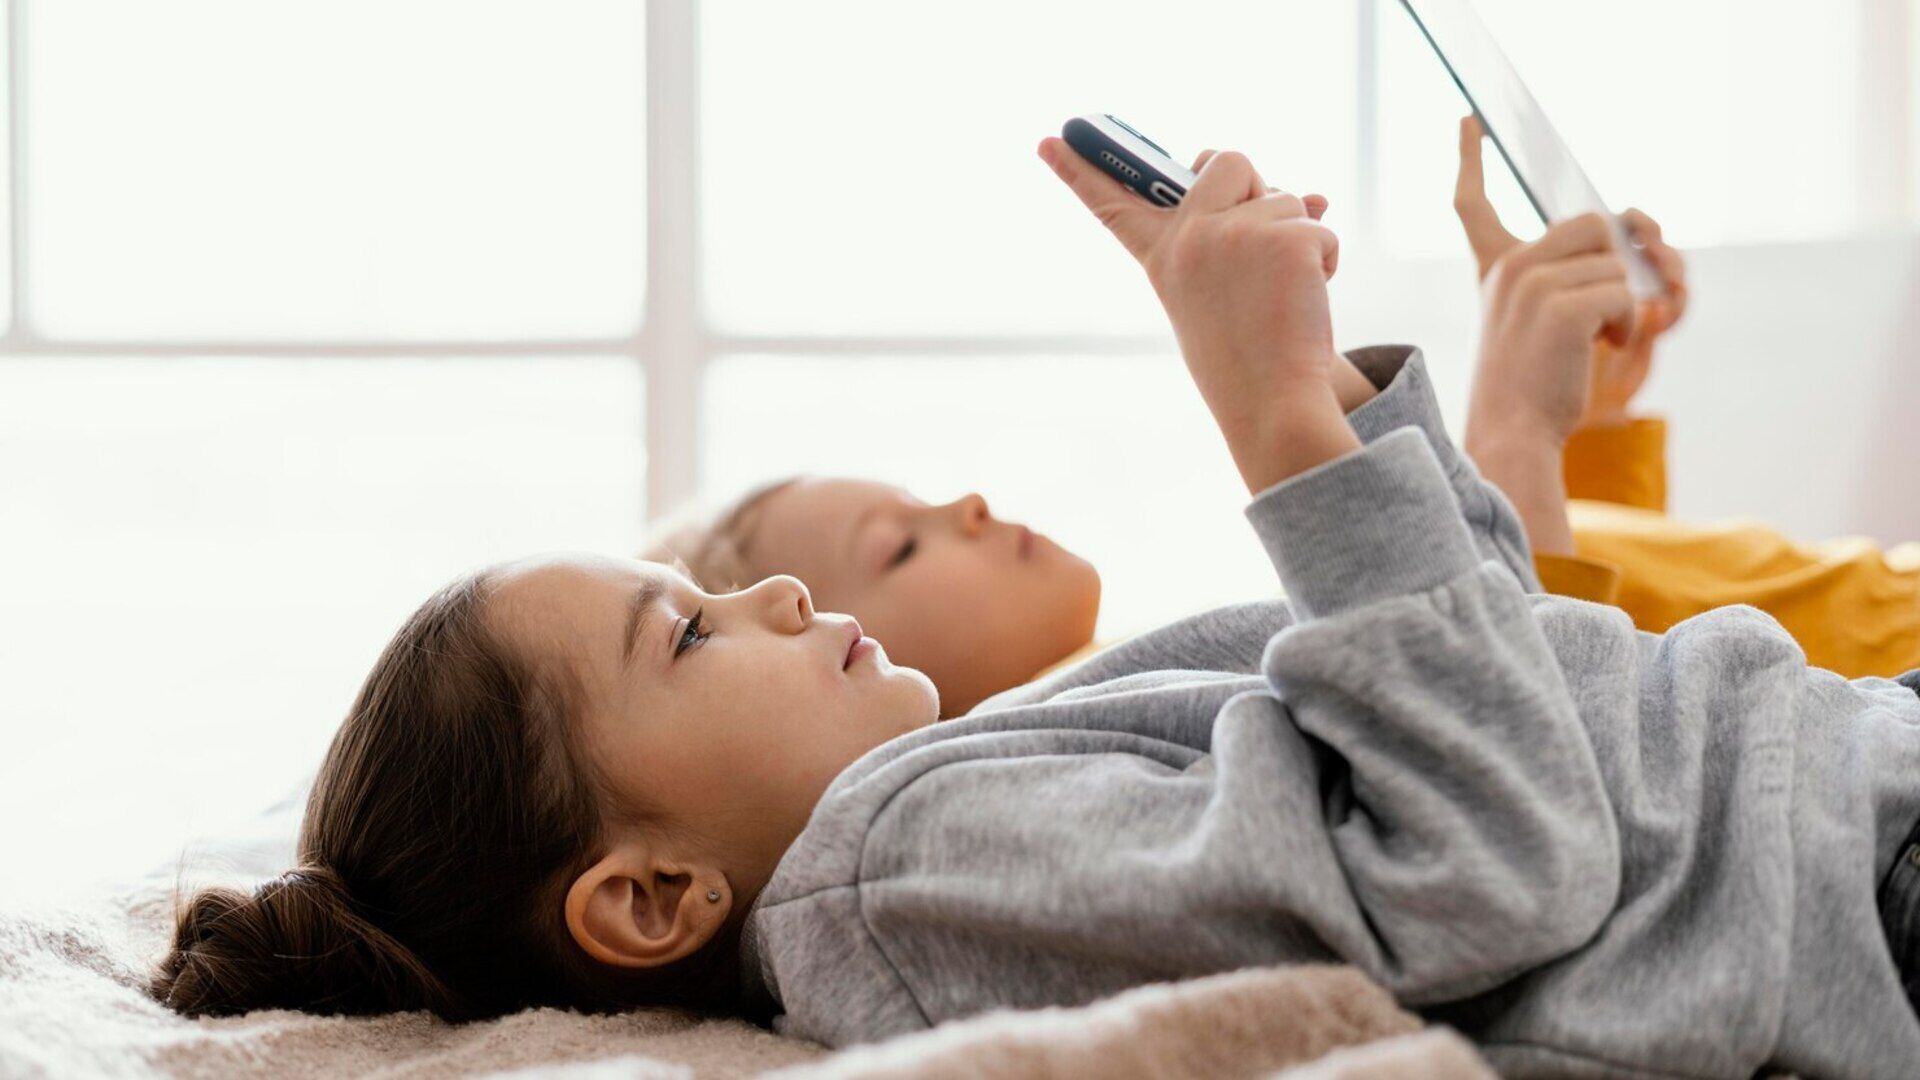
[644, 600]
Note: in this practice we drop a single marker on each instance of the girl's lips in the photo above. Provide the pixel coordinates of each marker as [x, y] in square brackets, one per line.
[854, 637]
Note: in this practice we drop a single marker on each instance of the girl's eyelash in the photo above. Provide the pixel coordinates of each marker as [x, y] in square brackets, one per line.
[691, 636]
[905, 553]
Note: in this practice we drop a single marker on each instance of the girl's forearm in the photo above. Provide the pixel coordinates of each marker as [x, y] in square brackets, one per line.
[1301, 429]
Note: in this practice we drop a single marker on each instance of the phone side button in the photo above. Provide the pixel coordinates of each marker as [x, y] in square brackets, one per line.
[1164, 194]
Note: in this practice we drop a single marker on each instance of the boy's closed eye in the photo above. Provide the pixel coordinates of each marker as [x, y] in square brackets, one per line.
[904, 553]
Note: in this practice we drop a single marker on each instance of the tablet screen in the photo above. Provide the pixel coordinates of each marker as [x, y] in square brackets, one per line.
[1553, 181]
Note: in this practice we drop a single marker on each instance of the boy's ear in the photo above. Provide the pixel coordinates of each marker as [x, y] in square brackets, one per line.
[636, 909]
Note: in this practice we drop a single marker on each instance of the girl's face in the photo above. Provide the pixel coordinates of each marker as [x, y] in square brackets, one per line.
[727, 714]
[978, 604]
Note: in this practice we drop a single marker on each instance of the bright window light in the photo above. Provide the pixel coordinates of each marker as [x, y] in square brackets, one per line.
[349, 169]
[1733, 122]
[869, 165]
[199, 561]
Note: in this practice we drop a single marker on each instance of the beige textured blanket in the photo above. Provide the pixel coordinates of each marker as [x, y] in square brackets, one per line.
[72, 1004]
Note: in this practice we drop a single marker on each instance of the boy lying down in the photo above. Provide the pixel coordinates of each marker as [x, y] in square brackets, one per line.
[583, 781]
[981, 605]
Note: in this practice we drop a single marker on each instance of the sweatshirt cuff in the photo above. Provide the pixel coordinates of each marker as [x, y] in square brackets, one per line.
[1406, 398]
[1579, 577]
[1377, 523]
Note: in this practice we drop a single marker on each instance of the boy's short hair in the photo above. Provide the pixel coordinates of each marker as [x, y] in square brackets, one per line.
[709, 544]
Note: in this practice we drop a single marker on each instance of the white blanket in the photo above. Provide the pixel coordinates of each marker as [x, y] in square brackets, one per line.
[72, 1003]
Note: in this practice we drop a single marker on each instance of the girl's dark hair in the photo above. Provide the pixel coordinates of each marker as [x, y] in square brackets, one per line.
[448, 820]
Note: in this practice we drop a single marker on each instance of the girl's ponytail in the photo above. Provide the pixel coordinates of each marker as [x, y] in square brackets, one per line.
[295, 942]
[446, 824]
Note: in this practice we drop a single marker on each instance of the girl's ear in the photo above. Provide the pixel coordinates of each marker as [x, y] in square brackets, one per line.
[635, 909]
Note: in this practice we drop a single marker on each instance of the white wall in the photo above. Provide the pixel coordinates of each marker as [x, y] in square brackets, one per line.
[1792, 386]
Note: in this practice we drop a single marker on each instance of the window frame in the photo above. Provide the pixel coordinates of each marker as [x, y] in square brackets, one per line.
[674, 342]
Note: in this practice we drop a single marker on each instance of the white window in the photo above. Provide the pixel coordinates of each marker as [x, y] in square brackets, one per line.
[1736, 121]
[311, 304]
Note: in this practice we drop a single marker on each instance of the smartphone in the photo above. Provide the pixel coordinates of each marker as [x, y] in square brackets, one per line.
[1129, 157]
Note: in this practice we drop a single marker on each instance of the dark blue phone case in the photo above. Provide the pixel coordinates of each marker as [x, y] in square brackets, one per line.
[1118, 162]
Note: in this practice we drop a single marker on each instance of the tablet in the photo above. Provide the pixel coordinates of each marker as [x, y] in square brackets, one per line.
[1552, 180]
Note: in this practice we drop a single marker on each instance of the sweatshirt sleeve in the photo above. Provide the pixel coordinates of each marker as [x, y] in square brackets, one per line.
[1578, 576]
[1622, 463]
[1406, 399]
[1473, 826]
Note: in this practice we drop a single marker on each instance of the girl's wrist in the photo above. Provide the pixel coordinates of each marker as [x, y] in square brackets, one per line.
[1305, 428]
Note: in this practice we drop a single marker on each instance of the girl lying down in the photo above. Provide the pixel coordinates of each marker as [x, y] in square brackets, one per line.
[585, 782]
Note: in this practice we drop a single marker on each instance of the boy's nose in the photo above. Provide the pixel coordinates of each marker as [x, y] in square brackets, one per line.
[972, 509]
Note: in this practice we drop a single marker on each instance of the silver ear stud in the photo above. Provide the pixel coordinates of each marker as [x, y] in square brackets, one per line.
[713, 896]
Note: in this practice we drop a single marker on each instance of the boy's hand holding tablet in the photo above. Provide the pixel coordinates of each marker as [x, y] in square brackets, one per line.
[1560, 332]
[1242, 273]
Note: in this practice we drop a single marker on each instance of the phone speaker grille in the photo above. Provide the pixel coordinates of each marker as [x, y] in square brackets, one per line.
[1110, 158]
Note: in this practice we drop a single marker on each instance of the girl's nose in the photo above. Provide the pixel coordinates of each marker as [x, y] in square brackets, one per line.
[787, 603]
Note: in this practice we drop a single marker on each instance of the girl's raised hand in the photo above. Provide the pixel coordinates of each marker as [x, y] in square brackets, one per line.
[1242, 272]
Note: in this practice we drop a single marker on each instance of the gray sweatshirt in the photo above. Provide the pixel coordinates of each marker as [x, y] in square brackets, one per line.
[1597, 852]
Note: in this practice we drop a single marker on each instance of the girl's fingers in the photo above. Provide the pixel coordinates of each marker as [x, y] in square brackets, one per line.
[1488, 238]
[1228, 179]
[1132, 220]
[1316, 204]
[1275, 205]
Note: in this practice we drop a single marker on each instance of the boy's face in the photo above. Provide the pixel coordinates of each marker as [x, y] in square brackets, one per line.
[978, 604]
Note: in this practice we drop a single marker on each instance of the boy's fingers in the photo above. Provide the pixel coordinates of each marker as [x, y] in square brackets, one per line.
[1488, 238]
[1665, 310]
[1609, 301]
[1135, 223]
[1228, 179]
[1641, 224]
[1667, 260]
[1581, 270]
[1573, 236]
[1200, 162]
[1673, 268]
